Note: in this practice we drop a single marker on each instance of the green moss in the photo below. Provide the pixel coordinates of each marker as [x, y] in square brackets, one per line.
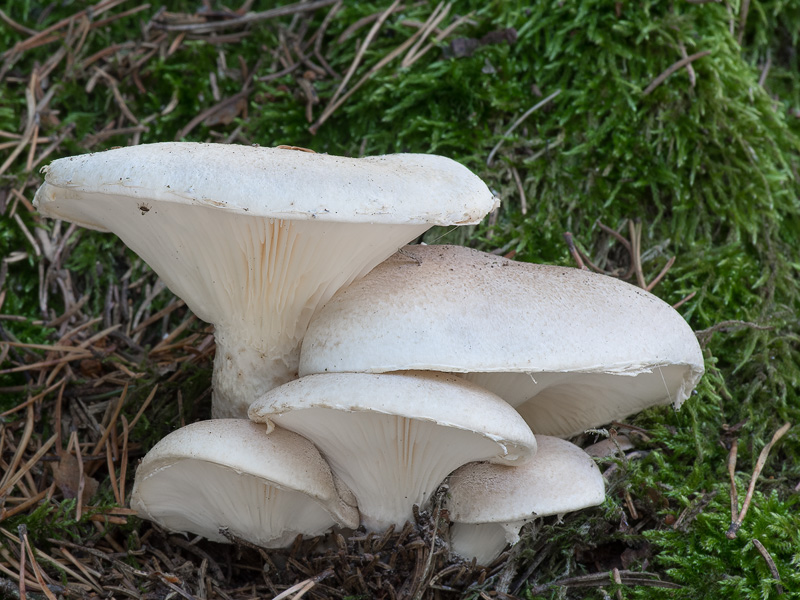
[710, 167]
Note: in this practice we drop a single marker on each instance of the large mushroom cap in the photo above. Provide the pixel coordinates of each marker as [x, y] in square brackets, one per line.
[280, 183]
[570, 349]
[488, 503]
[229, 479]
[393, 438]
[255, 239]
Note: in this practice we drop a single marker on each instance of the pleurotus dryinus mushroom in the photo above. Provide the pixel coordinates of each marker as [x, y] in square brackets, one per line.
[228, 479]
[568, 348]
[393, 438]
[489, 504]
[255, 239]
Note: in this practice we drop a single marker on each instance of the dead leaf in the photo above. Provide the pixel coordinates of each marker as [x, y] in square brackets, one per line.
[67, 478]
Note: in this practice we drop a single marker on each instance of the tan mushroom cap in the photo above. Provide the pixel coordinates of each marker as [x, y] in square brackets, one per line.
[231, 475]
[255, 239]
[489, 504]
[393, 438]
[568, 348]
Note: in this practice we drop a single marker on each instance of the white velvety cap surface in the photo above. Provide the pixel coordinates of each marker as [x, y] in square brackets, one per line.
[230, 474]
[489, 504]
[272, 182]
[393, 438]
[560, 478]
[586, 347]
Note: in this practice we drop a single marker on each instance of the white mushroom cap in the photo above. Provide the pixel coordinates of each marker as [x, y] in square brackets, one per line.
[489, 504]
[255, 239]
[393, 438]
[570, 349]
[230, 474]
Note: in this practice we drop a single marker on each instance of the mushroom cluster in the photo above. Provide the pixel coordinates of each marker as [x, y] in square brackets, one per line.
[567, 349]
[369, 386]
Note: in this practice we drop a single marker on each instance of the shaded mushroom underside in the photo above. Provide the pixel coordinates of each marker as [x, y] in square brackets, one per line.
[257, 279]
[231, 473]
[389, 462]
[394, 438]
[206, 499]
[565, 404]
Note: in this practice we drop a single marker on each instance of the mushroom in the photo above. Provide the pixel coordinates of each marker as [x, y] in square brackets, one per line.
[393, 438]
[228, 479]
[488, 504]
[568, 348]
[255, 239]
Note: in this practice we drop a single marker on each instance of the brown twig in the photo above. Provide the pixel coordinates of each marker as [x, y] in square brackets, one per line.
[762, 459]
[770, 565]
[347, 33]
[576, 256]
[22, 591]
[762, 79]
[14, 25]
[691, 512]
[684, 300]
[689, 67]
[248, 19]
[437, 16]
[21, 446]
[81, 478]
[12, 481]
[112, 424]
[29, 503]
[618, 580]
[26, 549]
[516, 123]
[357, 59]
[29, 127]
[704, 335]
[635, 231]
[440, 37]
[600, 579]
[111, 473]
[616, 235]
[743, 11]
[375, 68]
[522, 200]
[732, 475]
[123, 471]
[674, 67]
[123, 106]
[44, 37]
[32, 399]
[649, 287]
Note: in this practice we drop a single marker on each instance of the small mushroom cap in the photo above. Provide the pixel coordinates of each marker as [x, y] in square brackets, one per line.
[560, 478]
[489, 504]
[570, 349]
[396, 188]
[231, 475]
[393, 438]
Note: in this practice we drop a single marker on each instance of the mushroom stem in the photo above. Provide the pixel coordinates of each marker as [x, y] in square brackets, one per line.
[243, 371]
